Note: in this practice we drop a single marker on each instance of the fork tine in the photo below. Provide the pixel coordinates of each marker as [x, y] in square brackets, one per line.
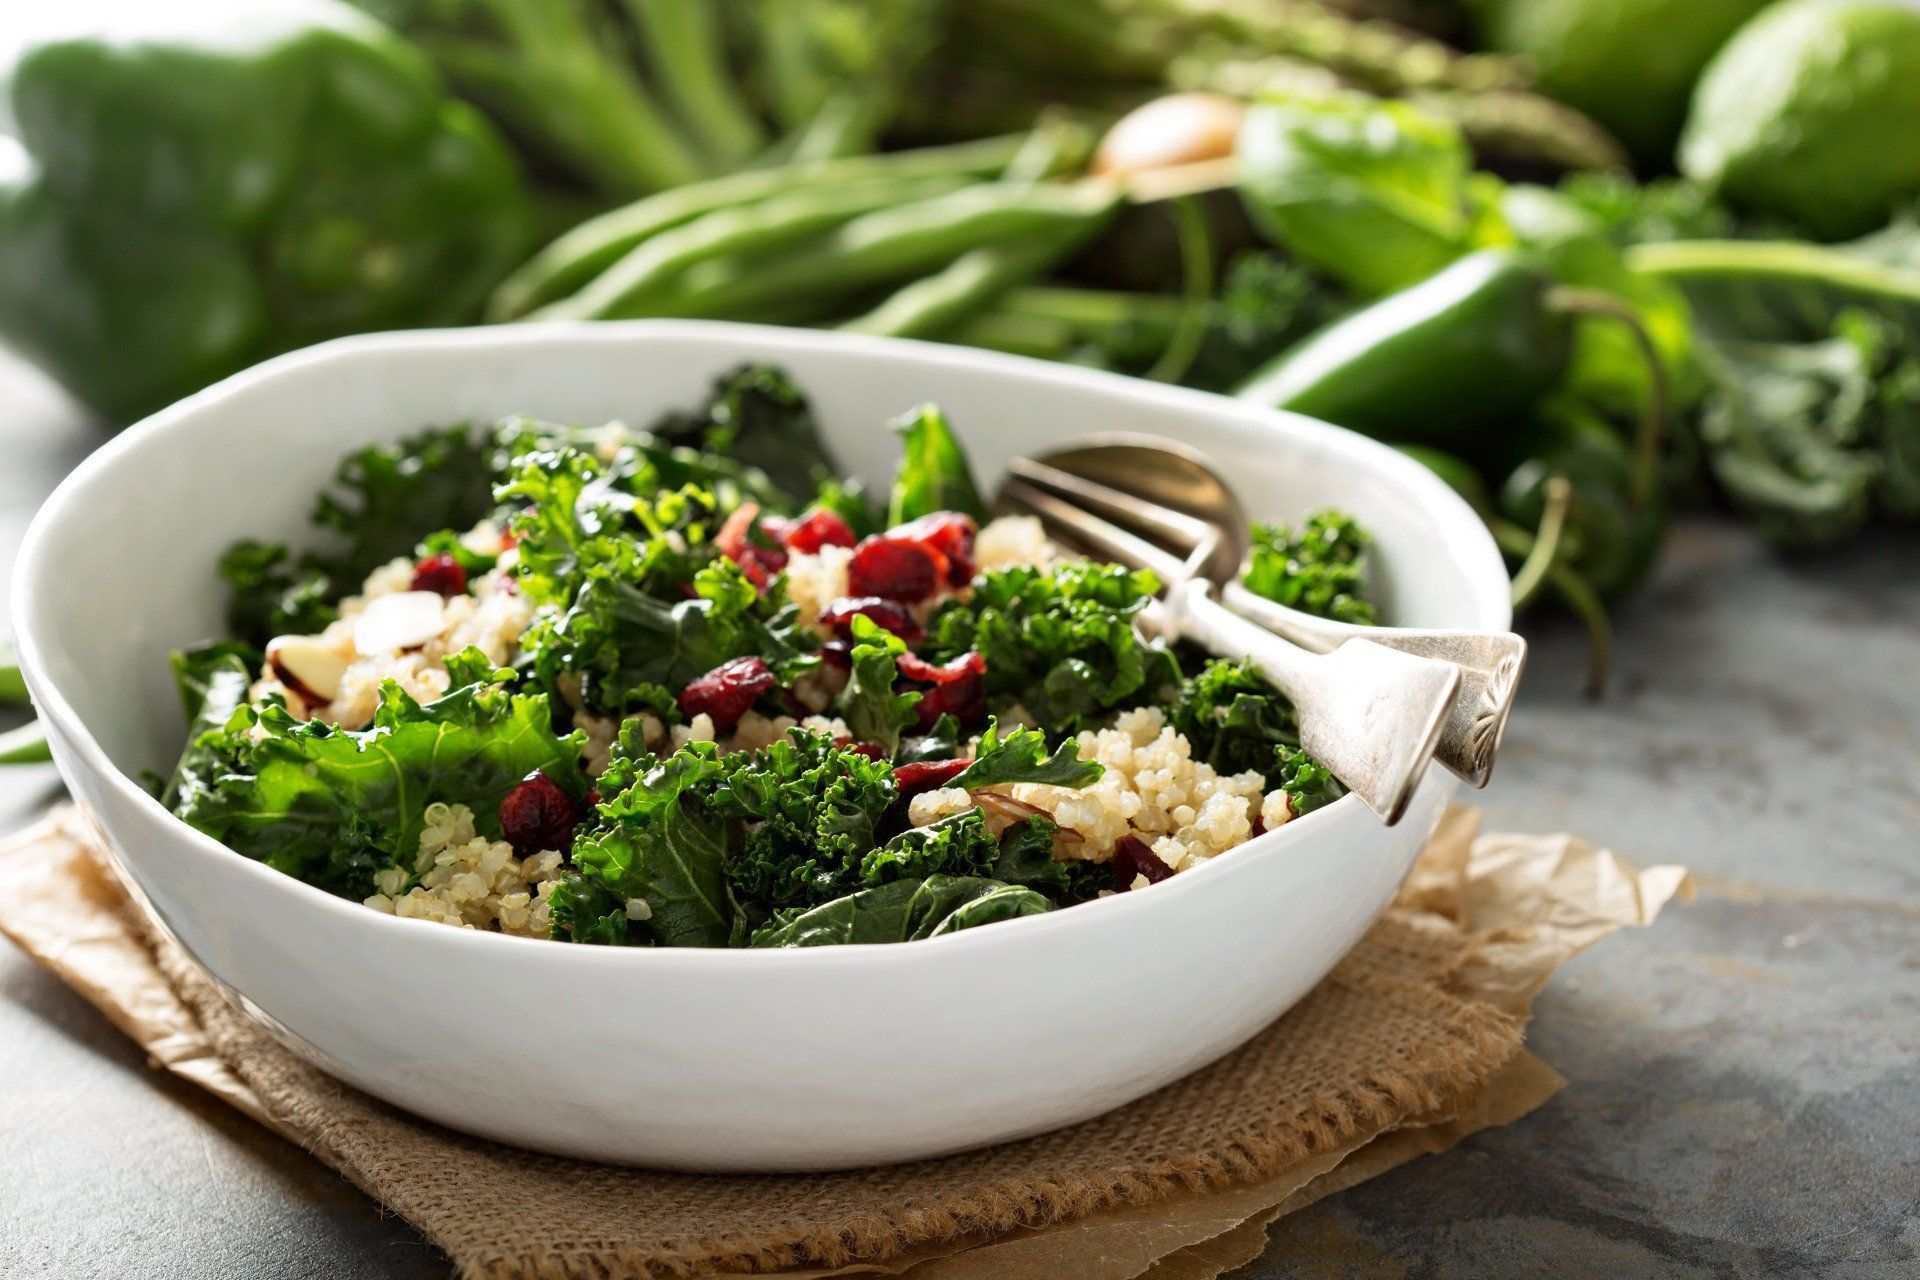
[1177, 527]
[1095, 533]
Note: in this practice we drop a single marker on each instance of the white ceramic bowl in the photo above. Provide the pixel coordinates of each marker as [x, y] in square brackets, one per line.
[694, 1059]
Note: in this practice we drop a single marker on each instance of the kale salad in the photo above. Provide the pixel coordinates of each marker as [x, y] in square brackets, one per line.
[686, 686]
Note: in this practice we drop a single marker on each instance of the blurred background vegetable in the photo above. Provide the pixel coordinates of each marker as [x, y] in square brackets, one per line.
[1586, 259]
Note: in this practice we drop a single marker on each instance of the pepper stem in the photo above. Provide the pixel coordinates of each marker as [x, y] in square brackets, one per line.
[1651, 440]
[1547, 543]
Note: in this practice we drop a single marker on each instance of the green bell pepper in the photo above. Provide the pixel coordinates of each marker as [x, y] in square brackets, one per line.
[235, 180]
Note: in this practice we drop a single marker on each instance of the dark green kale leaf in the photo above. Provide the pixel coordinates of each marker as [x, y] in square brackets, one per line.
[384, 500]
[758, 417]
[958, 844]
[1265, 305]
[585, 910]
[941, 742]
[1234, 719]
[1308, 784]
[902, 911]
[873, 711]
[331, 806]
[659, 839]
[1026, 858]
[934, 474]
[1061, 643]
[1022, 756]
[213, 681]
[1320, 569]
[811, 810]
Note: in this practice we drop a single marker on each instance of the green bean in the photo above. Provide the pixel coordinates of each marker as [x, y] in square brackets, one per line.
[933, 305]
[806, 282]
[648, 271]
[1021, 334]
[13, 685]
[25, 745]
[582, 253]
[685, 52]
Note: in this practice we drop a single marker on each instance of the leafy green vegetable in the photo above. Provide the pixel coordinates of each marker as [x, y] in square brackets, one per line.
[332, 806]
[1021, 756]
[958, 844]
[814, 811]
[1059, 642]
[934, 474]
[657, 840]
[1319, 569]
[587, 911]
[385, 497]
[1026, 858]
[1234, 719]
[1375, 193]
[213, 680]
[758, 417]
[873, 711]
[1307, 783]
[902, 911]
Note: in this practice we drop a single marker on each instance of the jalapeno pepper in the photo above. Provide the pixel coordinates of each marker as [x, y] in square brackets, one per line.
[1447, 362]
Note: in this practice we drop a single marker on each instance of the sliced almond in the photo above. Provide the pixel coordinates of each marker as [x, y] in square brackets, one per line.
[310, 670]
[400, 620]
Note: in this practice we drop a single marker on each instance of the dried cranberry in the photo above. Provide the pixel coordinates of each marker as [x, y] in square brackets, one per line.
[538, 814]
[956, 688]
[725, 693]
[926, 775]
[736, 543]
[888, 614]
[441, 575]
[837, 653]
[894, 568]
[950, 534]
[1133, 859]
[1259, 826]
[816, 529]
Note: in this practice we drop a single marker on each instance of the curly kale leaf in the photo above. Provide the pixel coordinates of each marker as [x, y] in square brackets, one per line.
[1307, 783]
[1234, 719]
[585, 910]
[1061, 643]
[384, 500]
[1026, 858]
[660, 841]
[813, 812]
[958, 844]
[613, 573]
[902, 911]
[1320, 569]
[213, 681]
[331, 806]
[1265, 305]
[1022, 756]
[873, 711]
[934, 474]
[756, 416]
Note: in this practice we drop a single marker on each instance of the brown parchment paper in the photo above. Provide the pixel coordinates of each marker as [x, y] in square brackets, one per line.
[1412, 1044]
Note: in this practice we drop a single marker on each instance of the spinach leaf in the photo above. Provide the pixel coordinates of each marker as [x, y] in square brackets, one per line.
[1319, 568]
[934, 474]
[331, 806]
[873, 711]
[1022, 756]
[384, 500]
[1375, 193]
[902, 911]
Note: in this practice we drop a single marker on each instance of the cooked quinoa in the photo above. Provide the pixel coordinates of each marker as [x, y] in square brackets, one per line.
[637, 693]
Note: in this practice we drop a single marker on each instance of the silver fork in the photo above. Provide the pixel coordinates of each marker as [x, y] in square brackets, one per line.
[1370, 714]
[1157, 473]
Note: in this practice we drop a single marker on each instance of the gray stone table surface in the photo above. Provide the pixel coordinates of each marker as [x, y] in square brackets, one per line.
[1743, 1096]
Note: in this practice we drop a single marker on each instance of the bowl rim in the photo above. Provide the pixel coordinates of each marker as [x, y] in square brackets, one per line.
[1468, 545]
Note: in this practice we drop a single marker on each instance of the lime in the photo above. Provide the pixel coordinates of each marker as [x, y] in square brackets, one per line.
[1630, 64]
[1812, 112]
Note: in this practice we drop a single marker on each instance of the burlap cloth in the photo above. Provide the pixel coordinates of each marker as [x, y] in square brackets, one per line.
[1414, 1041]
